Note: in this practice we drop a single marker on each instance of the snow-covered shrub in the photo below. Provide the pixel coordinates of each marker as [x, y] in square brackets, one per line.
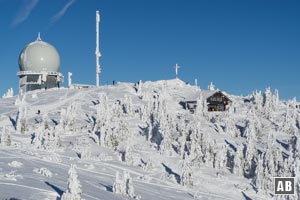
[276, 98]
[201, 109]
[5, 137]
[127, 105]
[9, 93]
[239, 161]
[186, 178]
[83, 151]
[109, 129]
[21, 120]
[45, 121]
[211, 87]
[73, 191]
[250, 155]
[46, 139]
[43, 171]
[123, 185]
[119, 134]
[221, 157]
[15, 164]
[11, 176]
[268, 103]
[290, 121]
[196, 152]
[259, 174]
[129, 157]
[68, 117]
[230, 127]
[257, 100]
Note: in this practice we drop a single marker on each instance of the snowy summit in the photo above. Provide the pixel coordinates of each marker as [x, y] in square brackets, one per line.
[138, 141]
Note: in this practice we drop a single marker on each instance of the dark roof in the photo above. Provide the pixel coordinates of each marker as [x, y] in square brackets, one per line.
[205, 95]
[219, 92]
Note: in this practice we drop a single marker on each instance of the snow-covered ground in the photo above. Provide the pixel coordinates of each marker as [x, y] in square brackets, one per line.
[140, 133]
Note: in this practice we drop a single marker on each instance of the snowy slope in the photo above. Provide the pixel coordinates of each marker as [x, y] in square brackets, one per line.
[142, 129]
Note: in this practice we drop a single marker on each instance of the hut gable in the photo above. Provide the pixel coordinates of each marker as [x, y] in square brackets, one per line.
[218, 102]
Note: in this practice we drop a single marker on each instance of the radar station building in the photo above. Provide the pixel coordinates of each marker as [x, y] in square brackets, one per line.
[39, 65]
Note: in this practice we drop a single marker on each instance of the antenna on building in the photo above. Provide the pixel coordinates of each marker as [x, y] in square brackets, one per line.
[98, 54]
[39, 37]
[176, 70]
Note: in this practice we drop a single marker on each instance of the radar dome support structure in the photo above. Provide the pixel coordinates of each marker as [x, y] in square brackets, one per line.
[39, 64]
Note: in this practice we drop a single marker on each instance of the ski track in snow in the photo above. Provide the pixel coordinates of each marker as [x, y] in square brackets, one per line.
[28, 187]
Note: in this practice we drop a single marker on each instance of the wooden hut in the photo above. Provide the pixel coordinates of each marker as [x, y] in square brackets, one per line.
[216, 101]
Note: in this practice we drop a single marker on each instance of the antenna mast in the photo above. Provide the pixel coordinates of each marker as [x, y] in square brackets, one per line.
[98, 54]
[176, 70]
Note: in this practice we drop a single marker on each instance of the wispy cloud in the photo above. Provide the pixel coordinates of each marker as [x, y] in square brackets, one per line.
[25, 10]
[62, 12]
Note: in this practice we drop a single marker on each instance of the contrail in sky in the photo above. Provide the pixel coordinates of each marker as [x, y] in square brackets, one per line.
[25, 10]
[62, 12]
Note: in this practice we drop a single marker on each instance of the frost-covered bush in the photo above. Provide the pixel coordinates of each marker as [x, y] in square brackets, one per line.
[46, 139]
[73, 191]
[230, 127]
[127, 105]
[109, 128]
[186, 178]
[5, 137]
[239, 161]
[9, 93]
[21, 120]
[123, 185]
[257, 100]
[45, 121]
[68, 117]
[211, 87]
[43, 171]
[15, 164]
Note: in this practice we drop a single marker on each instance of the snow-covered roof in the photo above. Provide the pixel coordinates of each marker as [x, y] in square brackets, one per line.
[194, 96]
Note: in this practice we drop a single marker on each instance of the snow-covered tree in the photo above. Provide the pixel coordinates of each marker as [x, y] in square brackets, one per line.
[68, 117]
[201, 109]
[45, 121]
[118, 186]
[5, 137]
[276, 98]
[9, 93]
[257, 99]
[230, 127]
[259, 174]
[46, 139]
[73, 191]
[239, 161]
[139, 87]
[268, 102]
[123, 185]
[211, 87]
[196, 154]
[250, 155]
[186, 178]
[221, 157]
[21, 121]
[127, 105]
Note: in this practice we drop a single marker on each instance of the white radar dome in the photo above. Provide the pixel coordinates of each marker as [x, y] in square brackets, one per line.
[39, 56]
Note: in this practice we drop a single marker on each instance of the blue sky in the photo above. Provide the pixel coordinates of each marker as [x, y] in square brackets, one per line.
[239, 45]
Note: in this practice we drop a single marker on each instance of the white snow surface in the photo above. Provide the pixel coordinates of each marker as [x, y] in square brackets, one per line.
[105, 130]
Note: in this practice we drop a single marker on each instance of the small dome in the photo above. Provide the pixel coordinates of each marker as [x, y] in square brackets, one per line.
[39, 56]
